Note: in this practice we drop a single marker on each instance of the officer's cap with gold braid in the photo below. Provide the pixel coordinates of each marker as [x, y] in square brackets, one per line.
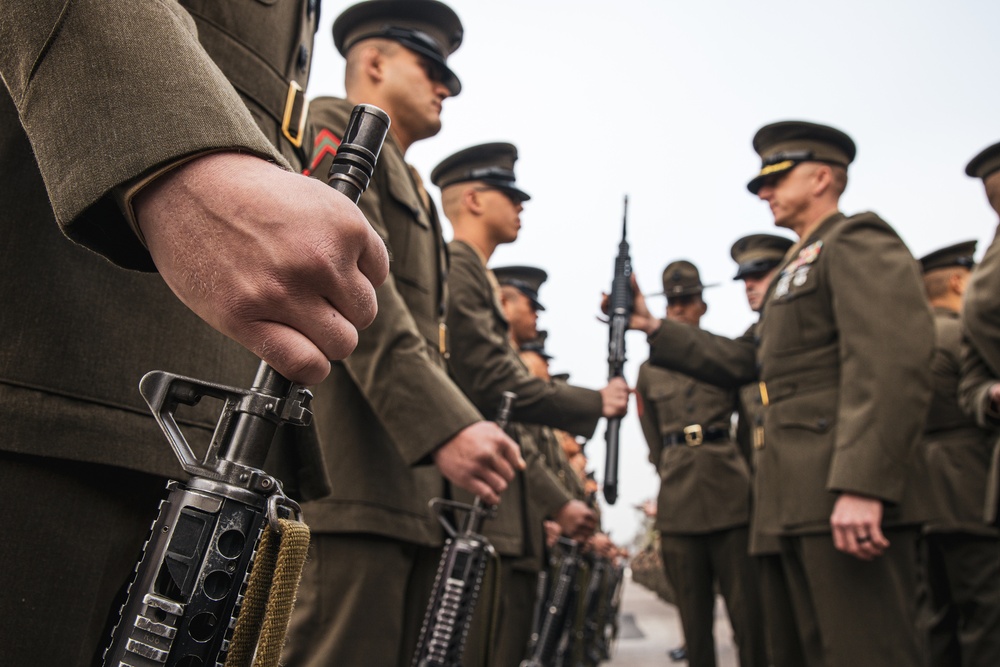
[490, 164]
[758, 253]
[526, 279]
[959, 254]
[426, 27]
[681, 278]
[783, 145]
[984, 164]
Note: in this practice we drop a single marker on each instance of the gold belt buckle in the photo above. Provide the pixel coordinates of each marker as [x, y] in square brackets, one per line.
[693, 435]
[295, 93]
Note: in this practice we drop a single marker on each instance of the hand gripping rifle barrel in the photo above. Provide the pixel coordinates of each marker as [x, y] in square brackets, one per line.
[459, 577]
[619, 312]
[188, 587]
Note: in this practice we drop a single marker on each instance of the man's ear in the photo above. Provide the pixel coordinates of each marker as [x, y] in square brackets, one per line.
[373, 64]
[472, 198]
[823, 179]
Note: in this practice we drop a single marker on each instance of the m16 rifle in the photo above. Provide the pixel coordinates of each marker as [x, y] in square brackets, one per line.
[619, 312]
[188, 590]
[459, 577]
[555, 612]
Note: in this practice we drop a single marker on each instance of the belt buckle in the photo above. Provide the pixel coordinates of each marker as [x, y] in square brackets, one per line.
[693, 435]
[295, 93]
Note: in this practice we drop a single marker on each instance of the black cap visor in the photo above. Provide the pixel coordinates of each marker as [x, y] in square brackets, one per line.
[422, 44]
[755, 267]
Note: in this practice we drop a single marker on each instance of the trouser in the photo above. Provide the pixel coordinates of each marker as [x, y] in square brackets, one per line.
[72, 535]
[962, 614]
[850, 612]
[361, 601]
[784, 646]
[693, 564]
[501, 626]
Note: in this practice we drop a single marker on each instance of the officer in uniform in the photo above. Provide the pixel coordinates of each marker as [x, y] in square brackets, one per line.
[845, 391]
[757, 257]
[519, 287]
[963, 552]
[981, 315]
[481, 199]
[704, 501]
[980, 392]
[119, 132]
[390, 411]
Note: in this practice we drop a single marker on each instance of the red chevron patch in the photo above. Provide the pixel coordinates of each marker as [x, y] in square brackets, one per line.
[326, 144]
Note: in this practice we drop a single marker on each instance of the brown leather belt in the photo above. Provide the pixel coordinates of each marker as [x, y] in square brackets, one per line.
[694, 435]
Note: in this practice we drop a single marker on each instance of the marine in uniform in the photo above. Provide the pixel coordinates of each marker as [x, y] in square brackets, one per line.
[962, 610]
[392, 424]
[106, 106]
[757, 257]
[703, 506]
[481, 199]
[982, 327]
[846, 392]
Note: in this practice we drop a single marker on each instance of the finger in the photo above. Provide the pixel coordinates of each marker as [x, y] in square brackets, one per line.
[374, 259]
[879, 539]
[481, 489]
[510, 455]
[496, 483]
[287, 351]
[841, 538]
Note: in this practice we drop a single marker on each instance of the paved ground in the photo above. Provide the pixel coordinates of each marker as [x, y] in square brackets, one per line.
[660, 628]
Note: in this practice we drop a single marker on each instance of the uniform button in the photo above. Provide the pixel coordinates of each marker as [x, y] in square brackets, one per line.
[821, 423]
[303, 60]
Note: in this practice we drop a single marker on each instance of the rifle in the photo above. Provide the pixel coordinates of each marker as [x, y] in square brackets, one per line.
[619, 312]
[189, 585]
[556, 608]
[459, 577]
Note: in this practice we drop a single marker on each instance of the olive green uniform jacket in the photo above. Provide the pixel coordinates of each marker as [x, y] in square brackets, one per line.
[974, 398]
[98, 96]
[980, 311]
[703, 488]
[383, 411]
[847, 388]
[77, 332]
[956, 449]
[484, 365]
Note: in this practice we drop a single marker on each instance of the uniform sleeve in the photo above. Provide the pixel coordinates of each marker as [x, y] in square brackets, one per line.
[485, 365]
[981, 310]
[705, 356]
[648, 417]
[545, 491]
[974, 388]
[107, 91]
[886, 342]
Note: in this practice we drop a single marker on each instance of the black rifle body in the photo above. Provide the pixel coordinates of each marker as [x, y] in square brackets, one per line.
[459, 577]
[189, 584]
[619, 312]
[557, 608]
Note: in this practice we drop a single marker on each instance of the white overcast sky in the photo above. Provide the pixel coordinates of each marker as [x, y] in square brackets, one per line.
[660, 100]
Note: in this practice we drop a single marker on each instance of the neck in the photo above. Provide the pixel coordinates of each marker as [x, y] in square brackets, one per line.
[476, 239]
[813, 219]
[950, 301]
